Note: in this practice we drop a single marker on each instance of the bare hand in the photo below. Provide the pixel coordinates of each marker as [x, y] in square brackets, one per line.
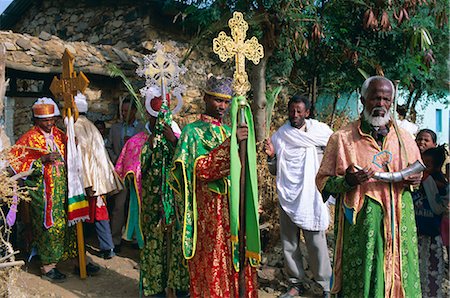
[242, 133]
[356, 177]
[413, 180]
[168, 134]
[50, 157]
[268, 148]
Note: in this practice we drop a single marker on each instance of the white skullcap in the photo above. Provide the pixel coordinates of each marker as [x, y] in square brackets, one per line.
[47, 100]
[81, 102]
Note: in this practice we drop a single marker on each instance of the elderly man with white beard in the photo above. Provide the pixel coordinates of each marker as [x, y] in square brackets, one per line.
[376, 241]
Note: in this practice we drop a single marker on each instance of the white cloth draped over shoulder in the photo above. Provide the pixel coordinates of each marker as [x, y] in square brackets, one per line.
[297, 166]
[98, 170]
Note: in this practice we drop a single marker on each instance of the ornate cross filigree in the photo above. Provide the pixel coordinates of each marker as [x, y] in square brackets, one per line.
[227, 47]
[162, 67]
[69, 84]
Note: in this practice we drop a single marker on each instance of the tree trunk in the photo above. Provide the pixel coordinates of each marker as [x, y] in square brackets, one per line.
[413, 112]
[259, 98]
[333, 112]
[312, 112]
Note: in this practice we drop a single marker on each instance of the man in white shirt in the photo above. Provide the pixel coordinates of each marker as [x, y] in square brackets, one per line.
[294, 154]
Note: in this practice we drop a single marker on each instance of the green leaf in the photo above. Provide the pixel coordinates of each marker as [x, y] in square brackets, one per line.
[115, 71]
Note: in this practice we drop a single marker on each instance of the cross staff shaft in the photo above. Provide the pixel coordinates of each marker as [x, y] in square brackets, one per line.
[239, 48]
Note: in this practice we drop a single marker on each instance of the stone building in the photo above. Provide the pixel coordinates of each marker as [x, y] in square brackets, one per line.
[35, 34]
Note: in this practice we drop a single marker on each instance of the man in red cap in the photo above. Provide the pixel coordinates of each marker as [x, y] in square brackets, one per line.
[42, 149]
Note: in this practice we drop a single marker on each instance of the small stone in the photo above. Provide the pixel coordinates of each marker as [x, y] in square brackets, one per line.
[45, 36]
[121, 54]
[52, 11]
[120, 45]
[94, 39]
[148, 45]
[82, 26]
[73, 18]
[117, 23]
[9, 46]
[24, 43]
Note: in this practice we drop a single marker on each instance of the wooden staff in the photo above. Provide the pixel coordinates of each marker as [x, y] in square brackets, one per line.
[240, 49]
[67, 87]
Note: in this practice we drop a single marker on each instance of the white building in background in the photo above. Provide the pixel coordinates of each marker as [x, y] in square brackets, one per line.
[436, 116]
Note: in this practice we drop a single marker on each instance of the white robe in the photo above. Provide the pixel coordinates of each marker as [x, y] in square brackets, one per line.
[297, 166]
[98, 170]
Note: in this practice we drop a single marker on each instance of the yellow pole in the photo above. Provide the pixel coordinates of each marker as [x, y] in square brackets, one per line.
[80, 236]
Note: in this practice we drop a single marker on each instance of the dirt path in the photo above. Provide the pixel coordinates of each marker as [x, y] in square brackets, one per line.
[119, 277]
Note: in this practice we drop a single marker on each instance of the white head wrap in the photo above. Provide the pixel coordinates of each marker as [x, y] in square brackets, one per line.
[81, 102]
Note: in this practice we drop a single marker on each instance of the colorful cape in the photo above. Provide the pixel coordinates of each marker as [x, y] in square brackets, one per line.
[129, 162]
[196, 141]
[29, 149]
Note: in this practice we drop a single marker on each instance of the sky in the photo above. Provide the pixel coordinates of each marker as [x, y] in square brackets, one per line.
[4, 4]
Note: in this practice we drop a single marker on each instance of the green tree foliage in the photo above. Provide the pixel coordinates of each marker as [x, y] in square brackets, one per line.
[326, 46]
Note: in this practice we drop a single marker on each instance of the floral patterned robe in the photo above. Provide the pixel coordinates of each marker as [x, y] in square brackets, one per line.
[202, 166]
[54, 239]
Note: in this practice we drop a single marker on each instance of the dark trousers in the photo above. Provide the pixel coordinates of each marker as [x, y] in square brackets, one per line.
[103, 230]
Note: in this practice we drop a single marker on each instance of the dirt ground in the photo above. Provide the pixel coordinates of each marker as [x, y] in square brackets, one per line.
[119, 277]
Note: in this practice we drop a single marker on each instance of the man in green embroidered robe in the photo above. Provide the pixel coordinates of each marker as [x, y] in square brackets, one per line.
[201, 170]
[146, 161]
[376, 241]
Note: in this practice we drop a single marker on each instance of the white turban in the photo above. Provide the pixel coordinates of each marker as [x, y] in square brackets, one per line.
[81, 102]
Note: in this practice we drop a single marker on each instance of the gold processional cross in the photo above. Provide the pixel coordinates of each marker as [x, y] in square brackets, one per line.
[69, 84]
[66, 88]
[227, 47]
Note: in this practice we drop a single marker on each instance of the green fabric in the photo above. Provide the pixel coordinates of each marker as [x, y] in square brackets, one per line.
[161, 263]
[161, 161]
[363, 253]
[253, 246]
[57, 243]
[197, 140]
[133, 228]
[335, 185]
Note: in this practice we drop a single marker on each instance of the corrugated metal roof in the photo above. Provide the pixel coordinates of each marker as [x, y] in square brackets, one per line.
[14, 12]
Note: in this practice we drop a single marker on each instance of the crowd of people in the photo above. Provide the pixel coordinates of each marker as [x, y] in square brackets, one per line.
[167, 190]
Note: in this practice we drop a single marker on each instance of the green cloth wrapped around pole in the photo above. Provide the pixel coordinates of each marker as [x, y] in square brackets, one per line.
[253, 245]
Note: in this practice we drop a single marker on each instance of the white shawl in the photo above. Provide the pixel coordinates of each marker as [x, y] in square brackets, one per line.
[297, 166]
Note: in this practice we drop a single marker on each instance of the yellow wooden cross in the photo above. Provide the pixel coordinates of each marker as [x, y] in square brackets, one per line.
[66, 88]
[69, 84]
[227, 47]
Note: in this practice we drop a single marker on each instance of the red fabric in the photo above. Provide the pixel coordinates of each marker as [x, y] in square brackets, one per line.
[32, 146]
[211, 269]
[156, 102]
[97, 213]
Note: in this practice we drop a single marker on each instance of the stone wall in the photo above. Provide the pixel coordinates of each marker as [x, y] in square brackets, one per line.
[127, 26]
